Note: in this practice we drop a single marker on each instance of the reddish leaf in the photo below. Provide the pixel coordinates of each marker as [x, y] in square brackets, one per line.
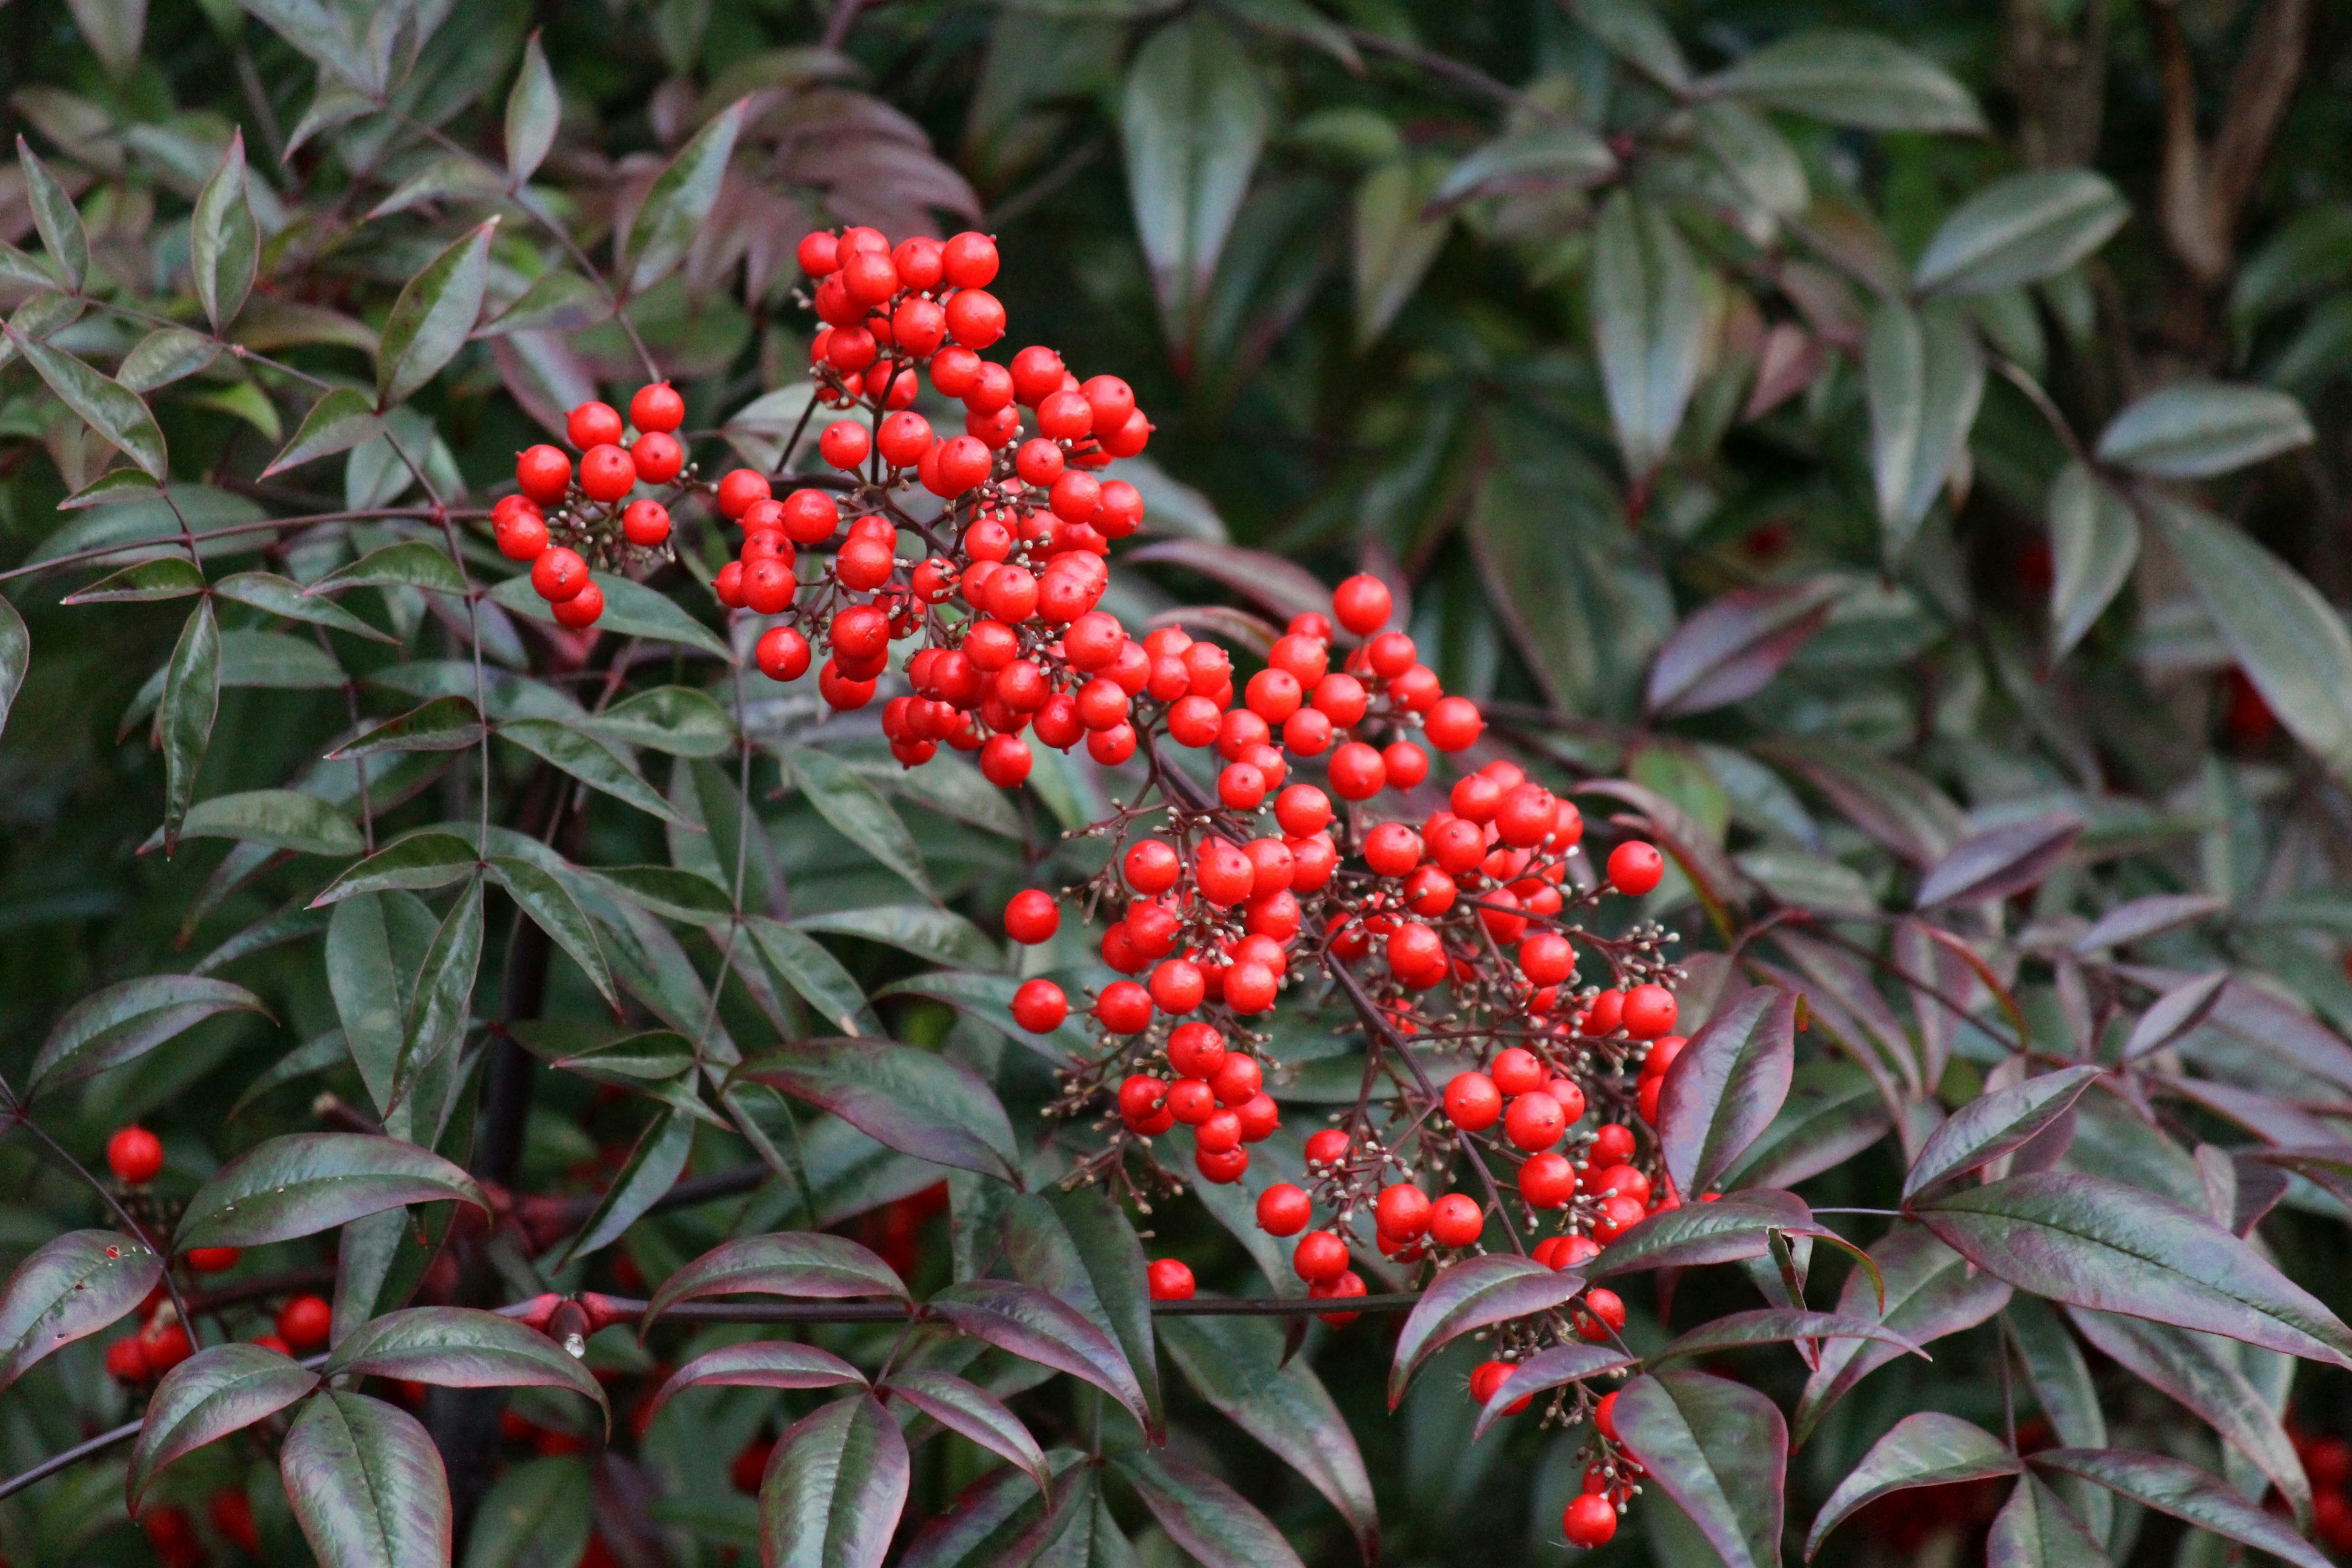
[1731, 649]
[1929, 1449]
[219, 1389]
[1547, 1370]
[1213, 1523]
[1030, 1324]
[971, 1411]
[70, 1287]
[1725, 1086]
[2181, 1490]
[1472, 1294]
[760, 1364]
[1720, 1450]
[2000, 862]
[804, 1265]
[1735, 1226]
[1987, 1127]
[836, 1487]
[1929, 1290]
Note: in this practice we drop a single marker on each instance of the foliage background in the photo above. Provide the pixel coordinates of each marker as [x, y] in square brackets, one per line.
[1351, 376]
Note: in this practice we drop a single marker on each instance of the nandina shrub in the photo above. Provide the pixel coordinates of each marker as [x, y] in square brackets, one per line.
[720, 921]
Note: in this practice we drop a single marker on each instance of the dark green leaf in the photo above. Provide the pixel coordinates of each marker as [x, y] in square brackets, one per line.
[1028, 1323]
[281, 818]
[443, 725]
[1725, 1086]
[1474, 1293]
[667, 891]
[431, 859]
[1928, 1292]
[635, 1059]
[631, 609]
[2181, 1490]
[939, 935]
[69, 1287]
[283, 596]
[801, 1265]
[1993, 1125]
[653, 1168]
[554, 911]
[441, 1006]
[2094, 543]
[972, 1411]
[303, 1182]
[16, 657]
[1731, 649]
[589, 760]
[1851, 78]
[1925, 378]
[2194, 429]
[1637, 35]
[1193, 117]
[537, 1515]
[987, 999]
[57, 218]
[1563, 153]
[1833, 1113]
[366, 1483]
[342, 419]
[432, 317]
[219, 1389]
[2020, 229]
[107, 407]
[760, 1364]
[534, 111]
[1079, 1247]
[1215, 1525]
[2000, 862]
[166, 355]
[143, 582]
[835, 1486]
[1720, 1450]
[461, 1347]
[1648, 326]
[2035, 1529]
[1777, 1325]
[914, 1101]
[816, 974]
[858, 813]
[224, 246]
[1396, 240]
[412, 563]
[1929, 1449]
[126, 1020]
[681, 199]
[677, 720]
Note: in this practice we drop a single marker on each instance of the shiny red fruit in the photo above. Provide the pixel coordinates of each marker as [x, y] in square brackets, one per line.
[136, 1155]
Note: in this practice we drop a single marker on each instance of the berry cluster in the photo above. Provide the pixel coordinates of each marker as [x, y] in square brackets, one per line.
[561, 523]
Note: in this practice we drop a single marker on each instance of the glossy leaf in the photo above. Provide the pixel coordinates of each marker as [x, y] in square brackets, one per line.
[219, 1389]
[2094, 544]
[2090, 1242]
[1396, 240]
[1720, 1450]
[1081, 1248]
[538, 1514]
[190, 702]
[1215, 1524]
[590, 761]
[941, 936]
[281, 818]
[69, 1287]
[858, 813]
[1777, 1325]
[2175, 1013]
[117, 1025]
[1192, 119]
[677, 720]
[277, 595]
[1923, 377]
[1733, 648]
[1929, 1449]
[2035, 1529]
[631, 609]
[1470, 1294]
[224, 245]
[342, 419]
[366, 1484]
[815, 975]
[801, 1265]
[681, 200]
[534, 111]
[16, 657]
[917, 1101]
[166, 355]
[56, 218]
[107, 407]
[760, 1364]
[461, 1347]
[1546, 1370]
[1737, 1227]
[412, 563]
[1853, 79]
[970, 1411]
[440, 1010]
[652, 1169]
[2195, 429]
[1928, 1290]
[1562, 153]
[2140, 919]
[552, 908]
[1994, 1124]
[1725, 1086]
[2175, 1487]
[835, 1488]
[1833, 1112]
[303, 1182]
[419, 861]
[1648, 326]
[433, 318]
[443, 725]
[2021, 229]
[1028, 1323]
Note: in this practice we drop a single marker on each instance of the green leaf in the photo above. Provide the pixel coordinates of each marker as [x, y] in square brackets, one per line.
[1023, 1320]
[441, 1008]
[2284, 632]
[1928, 1292]
[858, 813]
[653, 1168]
[432, 317]
[589, 760]
[1757, 160]
[68, 1289]
[2090, 1242]
[117, 1025]
[219, 1389]
[1470, 1294]
[224, 246]
[57, 218]
[342, 419]
[1777, 1325]
[191, 700]
[324, 35]
[16, 657]
[2094, 542]
[1720, 1450]
[914, 1101]
[461, 1347]
[972, 1412]
[631, 609]
[1079, 1247]
[1833, 1113]
[801, 1265]
[2035, 1529]
[2195, 429]
[681, 199]
[537, 1515]
[143, 582]
[368, 990]
[412, 563]
[107, 407]
[987, 999]
[1929, 1449]
[815, 975]
[1649, 326]
[1215, 1525]
[668, 891]
[1725, 1086]
[554, 911]
[166, 355]
[281, 818]
[1851, 78]
[2184, 1491]
[431, 859]
[277, 595]
[443, 725]
[632, 1060]
[1236, 1364]
[1396, 240]
[760, 1364]
[1637, 35]
[365, 1481]
[835, 1488]
[677, 720]
[303, 1182]
[939, 935]
[1994, 1124]
[1923, 378]
[2020, 229]
[1193, 117]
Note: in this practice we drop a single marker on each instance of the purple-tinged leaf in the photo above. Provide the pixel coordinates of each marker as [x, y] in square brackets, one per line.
[1841, 998]
[2143, 918]
[1929, 1449]
[989, 1520]
[1929, 1290]
[916, 1101]
[804, 1265]
[1236, 1364]
[1939, 978]
[2000, 862]
[124, 1022]
[1733, 648]
[1547, 1370]
[1282, 586]
[1725, 1086]
[1734, 1227]
[69, 1288]
[2035, 1529]
[1472, 1294]
[1213, 1523]
[366, 1484]
[1070, 1527]
[461, 1347]
[2202, 1373]
[1993, 1125]
[835, 1486]
[1720, 1450]
[2090, 1242]
[422, 861]
[656, 1162]
[1025, 1321]
[304, 1183]
[1834, 1111]
[2178, 1010]
[2270, 1023]
[760, 1364]
[972, 1411]
[219, 1389]
[1900, 810]
[1080, 1248]
[2175, 1487]
[1712, 876]
[2266, 1116]
[1777, 1325]
[2059, 1378]
[2256, 1188]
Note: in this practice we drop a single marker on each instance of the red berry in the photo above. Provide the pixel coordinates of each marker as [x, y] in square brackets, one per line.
[845, 444]
[165, 1346]
[1402, 1211]
[136, 1155]
[1039, 1006]
[1320, 1255]
[1635, 868]
[1358, 771]
[1487, 1381]
[1546, 1181]
[1472, 1102]
[975, 319]
[1591, 1520]
[305, 1321]
[126, 1361]
[1171, 1281]
[1392, 849]
[1327, 1147]
[1453, 724]
[969, 260]
[1604, 1417]
[1283, 1209]
[782, 654]
[1005, 761]
[817, 253]
[1031, 917]
[1456, 1220]
[1649, 1012]
[1600, 1315]
[1517, 1071]
[1124, 1007]
[1363, 604]
[739, 490]
[212, 1259]
[1534, 1122]
[232, 1515]
[1546, 958]
[558, 574]
[544, 473]
[593, 425]
[1612, 1144]
[658, 409]
[1238, 1080]
[658, 457]
[1221, 1168]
